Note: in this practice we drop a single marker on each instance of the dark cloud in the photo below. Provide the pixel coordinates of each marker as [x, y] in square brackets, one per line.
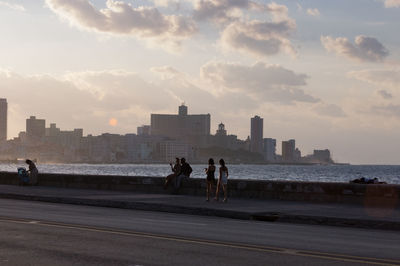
[391, 110]
[365, 48]
[271, 83]
[385, 95]
[259, 38]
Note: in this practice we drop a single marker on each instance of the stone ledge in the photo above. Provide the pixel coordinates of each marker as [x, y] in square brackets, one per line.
[379, 195]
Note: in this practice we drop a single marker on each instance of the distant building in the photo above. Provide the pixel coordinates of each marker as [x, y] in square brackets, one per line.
[322, 156]
[35, 128]
[297, 155]
[288, 150]
[269, 149]
[3, 119]
[143, 130]
[256, 137]
[171, 149]
[52, 131]
[221, 131]
[180, 125]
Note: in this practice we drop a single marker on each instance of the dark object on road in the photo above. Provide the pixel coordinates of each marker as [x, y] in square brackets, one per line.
[364, 180]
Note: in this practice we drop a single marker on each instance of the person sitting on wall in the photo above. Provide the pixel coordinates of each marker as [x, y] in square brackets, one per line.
[33, 172]
[364, 180]
[186, 170]
[176, 170]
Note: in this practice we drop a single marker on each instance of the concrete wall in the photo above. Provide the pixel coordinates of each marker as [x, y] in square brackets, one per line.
[372, 195]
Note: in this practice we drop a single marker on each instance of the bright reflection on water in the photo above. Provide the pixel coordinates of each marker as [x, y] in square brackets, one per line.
[330, 173]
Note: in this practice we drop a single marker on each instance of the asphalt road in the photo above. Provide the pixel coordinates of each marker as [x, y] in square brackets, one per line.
[34, 233]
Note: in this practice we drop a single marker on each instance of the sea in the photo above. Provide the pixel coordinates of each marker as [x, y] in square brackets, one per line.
[320, 173]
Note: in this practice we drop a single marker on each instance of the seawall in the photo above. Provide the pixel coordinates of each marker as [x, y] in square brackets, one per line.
[371, 195]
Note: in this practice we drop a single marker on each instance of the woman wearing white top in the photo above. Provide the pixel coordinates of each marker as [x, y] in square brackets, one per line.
[222, 180]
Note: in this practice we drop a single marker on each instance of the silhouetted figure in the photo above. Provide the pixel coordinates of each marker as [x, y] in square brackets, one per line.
[210, 171]
[222, 180]
[33, 172]
[186, 170]
[364, 180]
[176, 170]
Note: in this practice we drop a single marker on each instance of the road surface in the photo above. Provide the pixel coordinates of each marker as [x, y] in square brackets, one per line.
[35, 233]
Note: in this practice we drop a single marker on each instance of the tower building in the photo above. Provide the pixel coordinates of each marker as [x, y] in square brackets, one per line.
[256, 136]
[3, 119]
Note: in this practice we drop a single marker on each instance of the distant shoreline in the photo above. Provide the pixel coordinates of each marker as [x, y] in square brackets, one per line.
[17, 161]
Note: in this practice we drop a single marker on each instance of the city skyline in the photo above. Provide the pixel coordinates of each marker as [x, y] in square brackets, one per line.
[297, 64]
[168, 136]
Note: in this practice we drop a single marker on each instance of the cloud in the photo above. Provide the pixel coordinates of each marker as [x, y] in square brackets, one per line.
[223, 11]
[313, 12]
[392, 3]
[12, 6]
[197, 92]
[385, 95]
[265, 83]
[382, 78]
[391, 110]
[331, 110]
[123, 19]
[365, 48]
[259, 38]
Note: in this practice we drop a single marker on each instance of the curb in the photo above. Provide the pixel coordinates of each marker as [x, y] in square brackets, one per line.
[264, 217]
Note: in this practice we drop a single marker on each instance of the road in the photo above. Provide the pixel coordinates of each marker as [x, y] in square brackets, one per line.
[35, 233]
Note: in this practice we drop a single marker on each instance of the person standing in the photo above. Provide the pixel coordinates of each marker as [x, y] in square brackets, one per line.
[176, 170]
[222, 180]
[33, 172]
[210, 171]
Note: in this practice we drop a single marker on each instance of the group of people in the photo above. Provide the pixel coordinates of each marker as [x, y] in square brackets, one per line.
[222, 179]
[181, 169]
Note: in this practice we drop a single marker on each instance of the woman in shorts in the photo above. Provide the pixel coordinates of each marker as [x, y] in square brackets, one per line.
[222, 180]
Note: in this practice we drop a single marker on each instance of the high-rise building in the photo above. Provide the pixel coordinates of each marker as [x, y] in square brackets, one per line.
[35, 128]
[180, 125]
[256, 136]
[3, 119]
[269, 150]
[288, 150]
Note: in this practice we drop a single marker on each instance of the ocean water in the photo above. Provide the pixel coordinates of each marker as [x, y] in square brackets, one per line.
[320, 173]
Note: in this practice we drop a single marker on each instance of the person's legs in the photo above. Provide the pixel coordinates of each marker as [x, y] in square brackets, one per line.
[178, 181]
[168, 180]
[217, 191]
[208, 190]
[225, 187]
[33, 178]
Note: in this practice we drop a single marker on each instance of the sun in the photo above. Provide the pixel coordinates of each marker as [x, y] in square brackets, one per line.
[113, 122]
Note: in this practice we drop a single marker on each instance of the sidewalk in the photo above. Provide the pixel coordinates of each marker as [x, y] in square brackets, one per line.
[262, 210]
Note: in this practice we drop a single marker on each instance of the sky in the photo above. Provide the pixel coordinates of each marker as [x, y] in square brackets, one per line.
[326, 73]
